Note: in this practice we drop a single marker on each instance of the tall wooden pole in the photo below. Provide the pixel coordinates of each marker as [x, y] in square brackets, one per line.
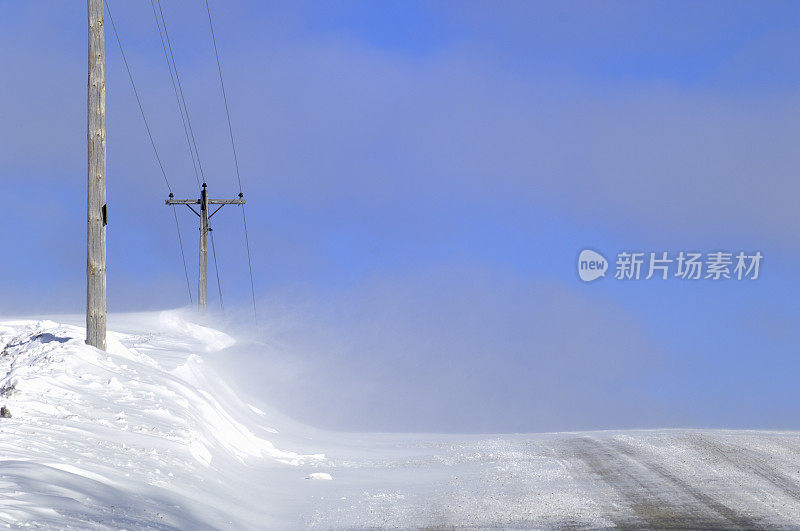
[96, 199]
[203, 287]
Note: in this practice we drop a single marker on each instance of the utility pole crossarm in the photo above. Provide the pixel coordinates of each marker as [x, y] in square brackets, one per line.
[182, 202]
[226, 201]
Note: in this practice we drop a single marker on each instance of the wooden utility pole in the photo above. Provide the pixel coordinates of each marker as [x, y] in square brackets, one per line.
[96, 203]
[204, 201]
[202, 288]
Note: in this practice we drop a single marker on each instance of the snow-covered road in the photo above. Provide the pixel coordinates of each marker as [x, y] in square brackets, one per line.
[696, 479]
[147, 436]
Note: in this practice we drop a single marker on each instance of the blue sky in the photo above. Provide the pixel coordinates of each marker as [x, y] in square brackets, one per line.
[420, 178]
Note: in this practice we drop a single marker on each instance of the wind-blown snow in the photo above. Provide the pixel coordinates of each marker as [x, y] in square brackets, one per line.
[148, 436]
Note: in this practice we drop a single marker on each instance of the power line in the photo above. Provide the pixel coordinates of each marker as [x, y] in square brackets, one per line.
[136, 93]
[249, 265]
[180, 89]
[152, 142]
[235, 158]
[224, 97]
[214, 254]
[175, 90]
[183, 256]
[189, 132]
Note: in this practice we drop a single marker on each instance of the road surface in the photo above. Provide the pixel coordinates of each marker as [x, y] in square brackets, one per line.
[677, 479]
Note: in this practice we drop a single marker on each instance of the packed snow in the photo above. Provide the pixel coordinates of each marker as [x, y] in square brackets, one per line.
[147, 435]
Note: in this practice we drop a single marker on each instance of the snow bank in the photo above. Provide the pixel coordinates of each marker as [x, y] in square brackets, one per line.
[142, 435]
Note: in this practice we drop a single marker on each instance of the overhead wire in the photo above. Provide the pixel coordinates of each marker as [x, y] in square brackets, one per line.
[152, 142]
[235, 158]
[175, 90]
[183, 256]
[180, 90]
[138, 100]
[216, 267]
[194, 153]
[224, 96]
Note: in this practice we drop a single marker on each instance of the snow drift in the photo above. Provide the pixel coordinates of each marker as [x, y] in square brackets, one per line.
[144, 435]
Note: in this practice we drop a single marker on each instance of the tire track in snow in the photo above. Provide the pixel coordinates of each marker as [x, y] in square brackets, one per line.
[655, 497]
[749, 461]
